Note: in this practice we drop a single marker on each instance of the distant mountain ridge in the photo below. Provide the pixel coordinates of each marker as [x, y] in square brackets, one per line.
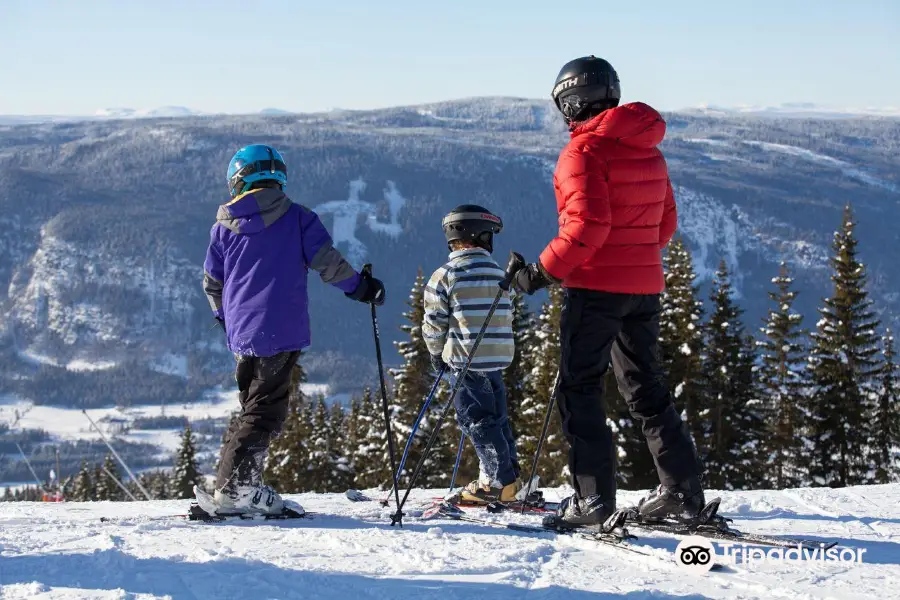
[105, 224]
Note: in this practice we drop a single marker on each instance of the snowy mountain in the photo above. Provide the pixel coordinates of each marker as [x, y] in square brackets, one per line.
[146, 113]
[105, 225]
[796, 110]
[349, 550]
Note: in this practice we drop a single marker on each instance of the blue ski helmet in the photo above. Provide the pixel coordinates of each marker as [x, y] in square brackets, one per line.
[253, 163]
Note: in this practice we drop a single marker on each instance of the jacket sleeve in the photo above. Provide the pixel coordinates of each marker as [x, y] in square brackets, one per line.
[584, 221]
[436, 323]
[214, 274]
[669, 222]
[320, 255]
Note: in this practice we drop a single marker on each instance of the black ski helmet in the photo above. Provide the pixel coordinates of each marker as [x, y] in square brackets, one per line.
[585, 85]
[474, 223]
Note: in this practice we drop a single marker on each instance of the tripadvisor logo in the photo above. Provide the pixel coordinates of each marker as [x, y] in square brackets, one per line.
[698, 555]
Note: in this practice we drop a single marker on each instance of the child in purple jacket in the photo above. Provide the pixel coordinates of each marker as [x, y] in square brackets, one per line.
[255, 278]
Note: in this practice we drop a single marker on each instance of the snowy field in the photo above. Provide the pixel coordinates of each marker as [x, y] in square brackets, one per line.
[348, 550]
[69, 424]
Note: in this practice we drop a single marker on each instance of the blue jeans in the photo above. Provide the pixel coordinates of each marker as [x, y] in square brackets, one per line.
[482, 416]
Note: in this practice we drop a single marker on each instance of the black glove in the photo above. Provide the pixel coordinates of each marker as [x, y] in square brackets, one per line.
[369, 290]
[437, 363]
[532, 278]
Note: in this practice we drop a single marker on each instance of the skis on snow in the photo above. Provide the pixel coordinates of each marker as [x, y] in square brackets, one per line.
[710, 524]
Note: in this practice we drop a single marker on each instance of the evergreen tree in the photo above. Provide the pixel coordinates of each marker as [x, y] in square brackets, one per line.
[323, 468]
[83, 486]
[541, 355]
[886, 422]
[186, 473]
[413, 381]
[844, 370]
[343, 475]
[104, 485]
[288, 459]
[371, 460]
[731, 445]
[781, 380]
[681, 339]
[7, 495]
[514, 377]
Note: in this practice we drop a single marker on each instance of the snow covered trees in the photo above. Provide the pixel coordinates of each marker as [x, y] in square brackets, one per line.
[844, 369]
[681, 339]
[885, 442]
[729, 415]
[781, 380]
[186, 473]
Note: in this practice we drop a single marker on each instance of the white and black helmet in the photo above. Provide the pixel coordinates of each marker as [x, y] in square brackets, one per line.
[474, 223]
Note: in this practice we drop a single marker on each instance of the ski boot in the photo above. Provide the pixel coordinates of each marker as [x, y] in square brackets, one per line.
[479, 492]
[259, 499]
[575, 512]
[682, 502]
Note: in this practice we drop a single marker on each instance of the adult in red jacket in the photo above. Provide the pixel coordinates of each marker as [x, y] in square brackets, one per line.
[616, 214]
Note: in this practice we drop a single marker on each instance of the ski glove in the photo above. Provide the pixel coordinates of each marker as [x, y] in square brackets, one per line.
[532, 278]
[369, 290]
[437, 362]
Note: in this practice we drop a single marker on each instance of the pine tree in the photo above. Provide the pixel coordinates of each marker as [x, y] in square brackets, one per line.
[322, 467]
[886, 421]
[844, 370]
[104, 485]
[413, 381]
[371, 460]
[343, 475]
[681, 339]
[542, 355]
[781, 380]
[515, 375]
[731, 445]
[186, 473]
[288, 458]
[83, 486]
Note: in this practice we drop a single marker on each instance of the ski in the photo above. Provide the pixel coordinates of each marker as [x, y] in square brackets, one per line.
[710, 524]
[198, 514]
[613, 535]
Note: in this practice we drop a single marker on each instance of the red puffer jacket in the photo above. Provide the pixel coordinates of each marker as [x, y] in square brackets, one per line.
[615, 203]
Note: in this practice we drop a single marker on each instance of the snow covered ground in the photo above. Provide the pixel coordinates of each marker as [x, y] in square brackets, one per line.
[349, 551]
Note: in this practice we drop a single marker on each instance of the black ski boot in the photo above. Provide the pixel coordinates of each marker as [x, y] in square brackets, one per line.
[679, 502]
[575, 512]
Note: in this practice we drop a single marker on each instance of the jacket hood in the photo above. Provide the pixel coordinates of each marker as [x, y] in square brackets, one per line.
[635, 124]
[253, 211]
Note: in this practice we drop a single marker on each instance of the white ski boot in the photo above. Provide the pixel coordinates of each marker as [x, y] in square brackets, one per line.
[261, 499]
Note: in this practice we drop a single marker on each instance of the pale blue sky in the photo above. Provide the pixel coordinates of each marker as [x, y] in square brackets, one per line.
[76, 56]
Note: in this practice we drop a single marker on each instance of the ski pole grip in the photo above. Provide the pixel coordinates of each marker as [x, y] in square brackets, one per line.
[516, 264]
[366, 270]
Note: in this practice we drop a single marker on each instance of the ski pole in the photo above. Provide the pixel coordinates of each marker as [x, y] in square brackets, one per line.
[459, 451]
[118, 458]
[415, 428]
[540, 444]
[398, 517]
[516, 263]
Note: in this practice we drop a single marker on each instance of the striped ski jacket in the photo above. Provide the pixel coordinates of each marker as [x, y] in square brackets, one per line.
[457, 300]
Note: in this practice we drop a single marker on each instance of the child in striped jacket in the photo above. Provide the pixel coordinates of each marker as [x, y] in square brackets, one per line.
[457, 299]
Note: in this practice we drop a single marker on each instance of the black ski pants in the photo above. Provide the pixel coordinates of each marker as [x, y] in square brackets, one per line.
[597, 327]
[264, 384]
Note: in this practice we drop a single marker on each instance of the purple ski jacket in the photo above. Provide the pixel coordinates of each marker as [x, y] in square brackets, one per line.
[255, 273]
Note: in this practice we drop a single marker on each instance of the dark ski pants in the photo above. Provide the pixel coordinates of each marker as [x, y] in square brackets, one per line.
[596, 327]
[482, 415]
[264, 384]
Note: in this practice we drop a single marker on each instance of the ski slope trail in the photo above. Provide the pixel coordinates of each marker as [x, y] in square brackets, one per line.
[349, 550]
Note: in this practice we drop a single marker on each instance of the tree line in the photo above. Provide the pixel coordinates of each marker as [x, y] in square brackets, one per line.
[788, 407]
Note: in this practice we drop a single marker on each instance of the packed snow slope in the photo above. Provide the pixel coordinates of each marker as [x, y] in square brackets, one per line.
[348, 550]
